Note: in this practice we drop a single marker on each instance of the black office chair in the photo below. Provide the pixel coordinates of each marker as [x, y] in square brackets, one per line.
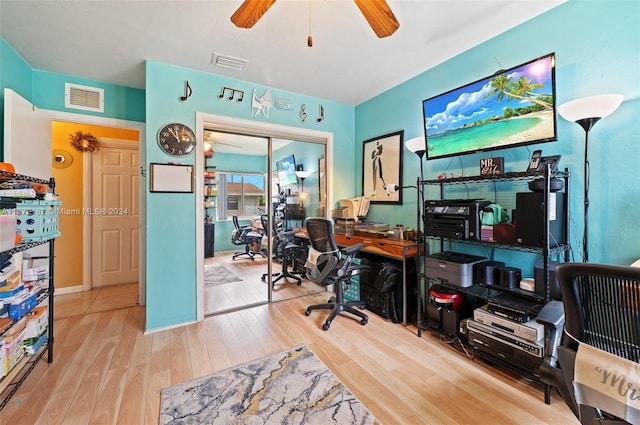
[287, 252]
[326, 267]
[602, 310]
[244, 235]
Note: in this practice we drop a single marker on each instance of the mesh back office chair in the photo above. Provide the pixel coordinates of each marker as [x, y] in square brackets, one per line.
[285, 250]
[602, 310]
[326, 267]
[244, 235]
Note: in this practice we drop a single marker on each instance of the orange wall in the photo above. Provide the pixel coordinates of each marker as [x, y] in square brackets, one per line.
[69, 187]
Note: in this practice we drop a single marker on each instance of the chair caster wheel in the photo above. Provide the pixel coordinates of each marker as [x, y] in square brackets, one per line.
[325, 327]
[364, 322]
[299, 283]
[307, 312]
[263, 278]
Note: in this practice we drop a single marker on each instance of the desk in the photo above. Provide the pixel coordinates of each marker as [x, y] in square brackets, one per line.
[399, 250]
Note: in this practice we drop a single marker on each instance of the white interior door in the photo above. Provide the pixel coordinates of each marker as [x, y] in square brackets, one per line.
[27, 136]
[27, 143]
[115, 214]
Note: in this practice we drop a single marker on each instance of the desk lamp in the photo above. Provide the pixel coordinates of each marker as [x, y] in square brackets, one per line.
[586, 112]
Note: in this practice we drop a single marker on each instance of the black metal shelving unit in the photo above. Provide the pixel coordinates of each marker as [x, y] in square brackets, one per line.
[210, 199]
[10, 383]
[547, 250]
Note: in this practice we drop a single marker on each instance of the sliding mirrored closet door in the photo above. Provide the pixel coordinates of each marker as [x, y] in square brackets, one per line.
[270, 185]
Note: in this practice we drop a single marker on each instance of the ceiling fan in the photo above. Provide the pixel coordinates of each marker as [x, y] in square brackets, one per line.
[377, 13]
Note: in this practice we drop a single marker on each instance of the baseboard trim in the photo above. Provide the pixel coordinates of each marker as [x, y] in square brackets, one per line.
[67, 290]
[179, 325]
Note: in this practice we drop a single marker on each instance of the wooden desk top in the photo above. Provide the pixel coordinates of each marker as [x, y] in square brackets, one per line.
[393, 248]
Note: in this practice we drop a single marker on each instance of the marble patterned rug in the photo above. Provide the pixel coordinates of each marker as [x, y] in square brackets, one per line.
[291, 387]
[217, 274]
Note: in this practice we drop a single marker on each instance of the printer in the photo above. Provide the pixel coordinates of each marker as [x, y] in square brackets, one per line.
[453, 218]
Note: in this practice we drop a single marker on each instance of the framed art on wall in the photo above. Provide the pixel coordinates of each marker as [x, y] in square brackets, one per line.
[382, 168]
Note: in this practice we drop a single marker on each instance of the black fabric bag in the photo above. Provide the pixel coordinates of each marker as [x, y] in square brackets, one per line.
[388, 277]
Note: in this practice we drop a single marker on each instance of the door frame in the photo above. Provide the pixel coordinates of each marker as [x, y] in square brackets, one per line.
[86, 178]
[243, 126]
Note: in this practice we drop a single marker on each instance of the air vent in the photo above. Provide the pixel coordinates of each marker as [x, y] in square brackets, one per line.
[83, 97]
[228, 62]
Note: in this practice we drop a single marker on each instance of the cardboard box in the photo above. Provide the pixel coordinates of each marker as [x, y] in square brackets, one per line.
[8, 224]
[486, 233]
[37, 322]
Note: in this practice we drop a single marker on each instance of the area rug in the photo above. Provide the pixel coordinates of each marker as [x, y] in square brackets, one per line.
[291, 387]
[217, 274]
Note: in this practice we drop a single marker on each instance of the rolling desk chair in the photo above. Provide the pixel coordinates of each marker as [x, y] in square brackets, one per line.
[286, 251]
[597, 371]
[326, 267]
[244, 235]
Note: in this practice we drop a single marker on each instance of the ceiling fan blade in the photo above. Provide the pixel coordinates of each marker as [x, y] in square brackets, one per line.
[379, 15]
[250, 11]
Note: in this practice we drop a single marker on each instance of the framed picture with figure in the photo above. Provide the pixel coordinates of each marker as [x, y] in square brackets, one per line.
[382, 168]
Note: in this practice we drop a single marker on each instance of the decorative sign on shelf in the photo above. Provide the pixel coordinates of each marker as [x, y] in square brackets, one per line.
[491, 166]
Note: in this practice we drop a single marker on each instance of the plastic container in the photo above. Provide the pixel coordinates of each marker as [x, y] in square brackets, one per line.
[38, 220]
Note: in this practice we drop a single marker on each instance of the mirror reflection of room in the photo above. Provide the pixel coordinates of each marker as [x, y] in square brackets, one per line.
[258, 191]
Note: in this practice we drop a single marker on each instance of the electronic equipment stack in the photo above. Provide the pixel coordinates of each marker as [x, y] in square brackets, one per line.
[505, 330]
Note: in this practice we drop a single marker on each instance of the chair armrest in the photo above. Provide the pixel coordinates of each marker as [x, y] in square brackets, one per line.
[346, 268]
[552, 314]
[350, 250]
[552, 317]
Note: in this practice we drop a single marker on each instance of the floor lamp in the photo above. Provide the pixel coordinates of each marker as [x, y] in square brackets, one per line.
[302, 175]
[418, 145]
[586, 112]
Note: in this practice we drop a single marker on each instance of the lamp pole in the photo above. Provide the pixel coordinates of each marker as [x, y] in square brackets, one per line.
[587, 124]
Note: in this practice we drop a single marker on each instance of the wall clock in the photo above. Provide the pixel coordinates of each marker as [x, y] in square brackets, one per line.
[176, 139]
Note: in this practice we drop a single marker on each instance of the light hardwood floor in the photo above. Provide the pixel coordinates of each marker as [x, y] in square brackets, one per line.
[106, 370]
[252, 289]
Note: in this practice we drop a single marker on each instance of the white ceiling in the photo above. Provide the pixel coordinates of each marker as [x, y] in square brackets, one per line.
[109, 40]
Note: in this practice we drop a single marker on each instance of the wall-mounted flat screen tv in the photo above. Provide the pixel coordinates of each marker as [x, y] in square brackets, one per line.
[286, 169]
[513, 107]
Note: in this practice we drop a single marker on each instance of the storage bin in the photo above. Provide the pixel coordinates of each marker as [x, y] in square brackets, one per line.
[351, 291]
[385, 304]
[38, 220]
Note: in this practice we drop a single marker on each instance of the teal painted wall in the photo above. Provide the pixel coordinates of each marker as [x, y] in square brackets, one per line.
[171, 227]
[16, 75]
[46, 90]
[120, 102]
[597, 46]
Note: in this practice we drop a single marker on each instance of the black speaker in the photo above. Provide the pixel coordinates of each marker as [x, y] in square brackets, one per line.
[486, 272]
[530, 219]
[434, 315]
[450, 322]
[554, 285]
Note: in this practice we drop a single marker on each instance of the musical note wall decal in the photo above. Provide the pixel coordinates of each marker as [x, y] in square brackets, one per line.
[303, 113]
[232, 94]
[187, 92]
[321, 116]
